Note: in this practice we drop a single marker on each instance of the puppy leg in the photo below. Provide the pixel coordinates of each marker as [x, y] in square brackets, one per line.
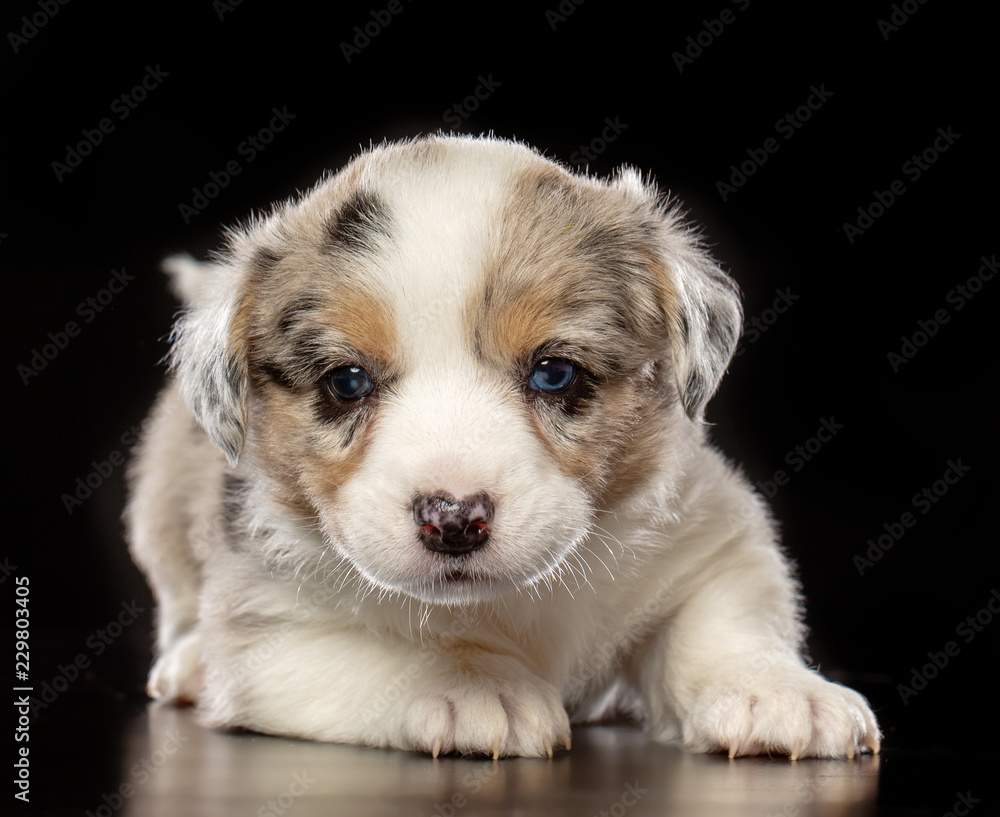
[176, 676]
[171, 477]
[325, 682]
[727, 674]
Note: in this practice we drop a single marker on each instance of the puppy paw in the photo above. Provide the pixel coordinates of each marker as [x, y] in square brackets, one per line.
[482, 715]
[796, 712]
[177, 674]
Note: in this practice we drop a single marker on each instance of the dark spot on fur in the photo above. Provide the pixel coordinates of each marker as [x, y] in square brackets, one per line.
[298, 309]
[349, 416]
[685, 327]
[694, 392]
[360, 223]
[558, 186]
[265, 259]
[233, 497]
[296, 366]
[233, 377]
[721, 333]
[268, 371]
[604, 241]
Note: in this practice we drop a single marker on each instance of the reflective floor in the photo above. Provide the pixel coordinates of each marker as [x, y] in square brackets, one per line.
[100, 750]
[172, 766]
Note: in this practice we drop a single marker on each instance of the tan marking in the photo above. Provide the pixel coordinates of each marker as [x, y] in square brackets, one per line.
[528, 252]
[366, 322]
[520, 324]
[617, 454]
[637, 456]
[242, 320]
[667, 292]
[284, 433]
[324, 476]
[536, 265]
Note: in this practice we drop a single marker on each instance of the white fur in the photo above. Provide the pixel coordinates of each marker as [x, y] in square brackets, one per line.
[674, 605]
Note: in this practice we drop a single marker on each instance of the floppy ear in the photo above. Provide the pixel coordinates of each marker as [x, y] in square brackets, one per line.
[704, 313]
[702, 303]
[209, 355]
[707, 319]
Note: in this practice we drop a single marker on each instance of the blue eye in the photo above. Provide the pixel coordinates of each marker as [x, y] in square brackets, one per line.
[350, 383]
[552, 375]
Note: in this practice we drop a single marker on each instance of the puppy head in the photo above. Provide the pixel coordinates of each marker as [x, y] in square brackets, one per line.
[452, 354]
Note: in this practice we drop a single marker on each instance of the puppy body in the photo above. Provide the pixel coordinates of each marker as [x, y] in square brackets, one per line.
[432, 475]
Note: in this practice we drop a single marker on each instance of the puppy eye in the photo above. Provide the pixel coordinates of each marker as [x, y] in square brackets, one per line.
[350, 383]
[552, 375]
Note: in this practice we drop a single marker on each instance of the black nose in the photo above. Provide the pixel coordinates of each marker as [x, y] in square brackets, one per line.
[453, 526]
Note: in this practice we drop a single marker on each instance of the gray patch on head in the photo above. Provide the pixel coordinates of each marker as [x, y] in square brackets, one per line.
[265, 259]
[298, 309]
[358, 225]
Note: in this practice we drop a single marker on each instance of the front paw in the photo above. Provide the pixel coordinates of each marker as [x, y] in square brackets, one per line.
[490, 711]
[795, 712]
[176, 677]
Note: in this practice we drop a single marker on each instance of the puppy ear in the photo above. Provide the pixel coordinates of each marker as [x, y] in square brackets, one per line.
[209, 354]
[701, 303]
[706, 319]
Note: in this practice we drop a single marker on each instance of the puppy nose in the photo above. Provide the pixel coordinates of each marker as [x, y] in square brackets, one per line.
[453, 526]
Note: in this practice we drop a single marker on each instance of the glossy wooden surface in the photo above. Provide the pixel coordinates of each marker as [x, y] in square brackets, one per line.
[172, 766]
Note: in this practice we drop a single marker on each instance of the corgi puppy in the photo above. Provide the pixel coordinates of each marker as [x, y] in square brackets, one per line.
[431, 472]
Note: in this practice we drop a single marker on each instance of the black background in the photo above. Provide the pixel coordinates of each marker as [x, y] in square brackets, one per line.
[555, 84]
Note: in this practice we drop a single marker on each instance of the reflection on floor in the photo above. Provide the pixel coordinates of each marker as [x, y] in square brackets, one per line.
[173, 767]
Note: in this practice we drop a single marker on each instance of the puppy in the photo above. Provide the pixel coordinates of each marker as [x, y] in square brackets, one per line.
[432, 473]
